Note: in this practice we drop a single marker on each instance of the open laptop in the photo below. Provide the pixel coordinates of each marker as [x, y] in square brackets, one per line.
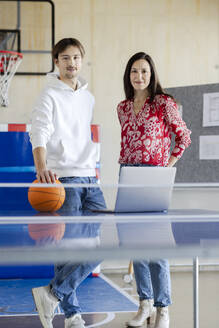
[149, 189]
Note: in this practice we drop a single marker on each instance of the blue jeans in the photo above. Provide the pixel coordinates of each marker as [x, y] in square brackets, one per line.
[78, 199]
[153, 281]
[153, 277]
[68, 276]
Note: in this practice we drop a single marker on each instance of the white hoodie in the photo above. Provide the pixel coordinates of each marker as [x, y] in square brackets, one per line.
[61, 122]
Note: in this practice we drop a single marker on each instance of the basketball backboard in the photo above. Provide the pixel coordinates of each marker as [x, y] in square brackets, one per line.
[27, 26]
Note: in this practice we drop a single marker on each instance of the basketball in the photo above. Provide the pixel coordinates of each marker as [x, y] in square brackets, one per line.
[54, 231]
[46, 199]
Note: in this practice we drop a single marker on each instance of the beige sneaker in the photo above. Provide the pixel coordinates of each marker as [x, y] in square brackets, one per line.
[46, 304]
[145, 312]
[162, 319]
[75, 321]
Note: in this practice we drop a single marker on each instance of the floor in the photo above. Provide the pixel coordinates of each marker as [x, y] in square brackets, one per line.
[181, 311]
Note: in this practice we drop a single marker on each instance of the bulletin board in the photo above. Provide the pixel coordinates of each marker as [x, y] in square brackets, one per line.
[190, 169]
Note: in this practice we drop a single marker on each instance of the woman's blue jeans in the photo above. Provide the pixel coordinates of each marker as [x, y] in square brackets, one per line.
[153, 281]
[68, 276]
[153, 277]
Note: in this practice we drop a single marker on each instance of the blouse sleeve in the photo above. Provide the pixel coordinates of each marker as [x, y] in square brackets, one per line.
[119, 111]
[178, 127]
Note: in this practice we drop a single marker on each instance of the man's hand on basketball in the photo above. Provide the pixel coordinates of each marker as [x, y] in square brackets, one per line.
[46, 176]
[43, 175]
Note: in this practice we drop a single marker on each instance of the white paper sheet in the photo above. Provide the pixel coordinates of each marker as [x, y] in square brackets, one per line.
[209, 147]
[211, 109]
[180, 108]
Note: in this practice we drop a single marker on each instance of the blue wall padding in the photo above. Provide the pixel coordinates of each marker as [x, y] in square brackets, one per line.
[14, 199]
[16, 165]
[17, 150]
[17, 176]
[26, 271]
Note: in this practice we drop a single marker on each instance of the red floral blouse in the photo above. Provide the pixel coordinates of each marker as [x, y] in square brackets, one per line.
[146, 137]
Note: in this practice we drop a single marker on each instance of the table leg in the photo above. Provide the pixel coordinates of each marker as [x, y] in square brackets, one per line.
[196, 292]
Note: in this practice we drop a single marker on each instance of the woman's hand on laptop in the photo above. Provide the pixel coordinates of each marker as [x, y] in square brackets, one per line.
[172, 161]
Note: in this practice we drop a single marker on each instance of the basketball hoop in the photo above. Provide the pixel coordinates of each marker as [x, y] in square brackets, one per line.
[9, 62]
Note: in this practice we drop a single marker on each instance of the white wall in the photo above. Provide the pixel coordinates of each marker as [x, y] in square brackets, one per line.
[181, 36]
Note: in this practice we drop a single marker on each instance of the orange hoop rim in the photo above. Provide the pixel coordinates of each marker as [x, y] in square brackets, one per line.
[11, 53]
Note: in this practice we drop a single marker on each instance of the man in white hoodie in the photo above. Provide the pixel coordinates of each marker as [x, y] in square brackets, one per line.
[62, 148]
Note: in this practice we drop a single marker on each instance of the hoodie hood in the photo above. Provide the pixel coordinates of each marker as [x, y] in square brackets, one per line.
[53, 81]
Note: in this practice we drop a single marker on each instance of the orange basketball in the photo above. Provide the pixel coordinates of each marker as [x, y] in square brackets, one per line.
[46, 199]
[52, 230]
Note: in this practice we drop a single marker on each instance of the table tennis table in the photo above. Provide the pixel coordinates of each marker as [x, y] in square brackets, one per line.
[28, 237]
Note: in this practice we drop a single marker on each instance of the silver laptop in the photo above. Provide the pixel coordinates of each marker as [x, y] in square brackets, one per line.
[148, 189]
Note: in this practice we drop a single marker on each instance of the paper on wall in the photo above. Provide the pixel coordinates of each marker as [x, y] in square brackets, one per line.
[180, 109]
[211, 109]
[209, 147]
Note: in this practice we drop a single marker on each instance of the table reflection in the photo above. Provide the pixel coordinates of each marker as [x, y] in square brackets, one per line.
[139, 233]
[168, 234]
[145, 234]
[60, 234]
[196, 233]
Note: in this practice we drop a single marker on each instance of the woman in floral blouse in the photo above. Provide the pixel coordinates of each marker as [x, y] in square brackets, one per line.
[148, 118]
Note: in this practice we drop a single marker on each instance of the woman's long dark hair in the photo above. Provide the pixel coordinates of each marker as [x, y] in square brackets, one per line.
[154, 86]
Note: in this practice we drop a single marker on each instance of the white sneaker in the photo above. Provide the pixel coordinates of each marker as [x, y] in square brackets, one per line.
[46, 304]
[162, 319]
[75, 321]
[145, 312]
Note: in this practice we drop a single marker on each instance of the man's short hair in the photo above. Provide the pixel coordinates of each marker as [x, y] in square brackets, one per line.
[65, 43]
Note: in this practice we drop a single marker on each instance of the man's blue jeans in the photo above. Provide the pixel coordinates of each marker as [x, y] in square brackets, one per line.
[68, 276]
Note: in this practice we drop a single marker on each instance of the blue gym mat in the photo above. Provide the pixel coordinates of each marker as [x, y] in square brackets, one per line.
[95, 295]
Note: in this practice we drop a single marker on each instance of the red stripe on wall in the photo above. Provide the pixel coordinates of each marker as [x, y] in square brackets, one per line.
[97, 173]
[17, 127]
[95, 130]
